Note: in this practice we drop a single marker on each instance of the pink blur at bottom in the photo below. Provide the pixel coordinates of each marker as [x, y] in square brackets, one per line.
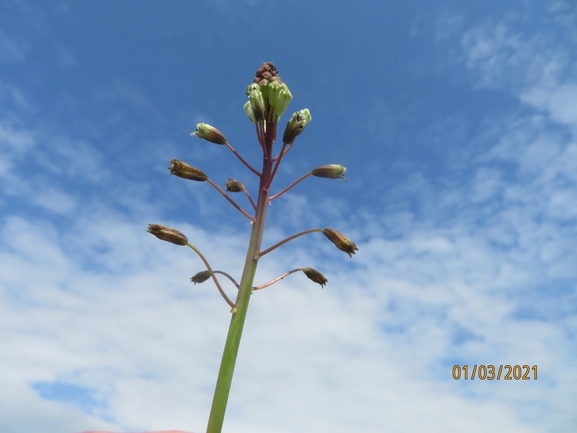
[157, 431]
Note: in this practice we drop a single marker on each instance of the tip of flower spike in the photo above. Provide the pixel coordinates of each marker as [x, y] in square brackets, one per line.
[266, 73]
[274, 93]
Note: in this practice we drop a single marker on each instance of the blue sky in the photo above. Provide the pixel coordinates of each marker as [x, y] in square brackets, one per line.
[457, 122]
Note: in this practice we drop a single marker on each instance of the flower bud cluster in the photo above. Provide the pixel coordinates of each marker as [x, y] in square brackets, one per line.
[266, 73]
[268, 96]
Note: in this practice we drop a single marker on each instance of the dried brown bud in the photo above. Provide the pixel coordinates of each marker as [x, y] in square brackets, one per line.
[200, 277]
[266, 73]
[315, 275]
[234, 186]
[330, 171]
[341, 241]
[167, 234]
[182, 169]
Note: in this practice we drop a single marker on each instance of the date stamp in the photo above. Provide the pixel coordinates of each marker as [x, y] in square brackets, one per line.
[489, 372]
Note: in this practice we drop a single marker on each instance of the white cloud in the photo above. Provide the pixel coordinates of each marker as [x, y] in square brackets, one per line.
[110, 308]
[560, 102]
[538, 71]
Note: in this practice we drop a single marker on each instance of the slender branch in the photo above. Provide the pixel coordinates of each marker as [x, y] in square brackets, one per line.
[226, 298]
[278, 194]
[280, 277]
[250, 199]
[242, 160]
[230, 200]
[283, 153]
[290, 238]
[228, 276]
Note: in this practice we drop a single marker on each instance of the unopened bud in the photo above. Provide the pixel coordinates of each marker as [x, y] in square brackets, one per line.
[209, 133]
[297, 123]
[255, 107]
[316, 276]
[234, 186]
[341, 241]
[277, 97]
[200, 277]
[249, 112]
[182, 169]
[266, 73]
[330, 171]
[167, 234]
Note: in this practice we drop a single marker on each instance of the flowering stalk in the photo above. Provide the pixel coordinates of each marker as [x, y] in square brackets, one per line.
[268, 99]
[236, 326]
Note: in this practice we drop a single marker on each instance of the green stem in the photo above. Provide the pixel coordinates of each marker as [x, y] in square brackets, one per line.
[232, 344]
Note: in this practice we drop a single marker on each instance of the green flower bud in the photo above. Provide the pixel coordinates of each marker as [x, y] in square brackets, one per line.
[277, 97]
[341, 241]
[182, 169]
[167, 234]
[316, 276]
[249, 113]
[330, 171]
[209, 133]
[200, 277]
[297, 123]
[255, 107]
[234, 186]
